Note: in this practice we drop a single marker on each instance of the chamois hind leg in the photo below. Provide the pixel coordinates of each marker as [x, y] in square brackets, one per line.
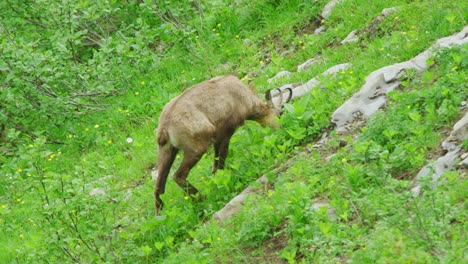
[221, 151]
[166, 156]
[180, 176]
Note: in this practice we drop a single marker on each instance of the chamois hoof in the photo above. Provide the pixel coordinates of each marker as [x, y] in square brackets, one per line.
[158, 207]
[199, 197]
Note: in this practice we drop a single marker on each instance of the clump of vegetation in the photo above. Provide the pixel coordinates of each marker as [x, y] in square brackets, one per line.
[81, 91]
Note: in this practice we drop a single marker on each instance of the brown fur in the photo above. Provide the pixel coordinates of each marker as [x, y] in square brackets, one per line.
[205, 114]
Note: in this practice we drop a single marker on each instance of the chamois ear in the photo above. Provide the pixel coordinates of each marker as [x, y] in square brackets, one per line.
[268, 98]
[277, 110]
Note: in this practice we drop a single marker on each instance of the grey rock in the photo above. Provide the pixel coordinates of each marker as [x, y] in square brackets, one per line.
[458, 134]
[372, 95]
[97, 191]
[435, 170]
[327, 10]
[447, 162]
[302, 89]
[331, 212]
[319, 30]
[306, 65]
[279, 75]
[387, 11]
[235, 205]
[352, 37]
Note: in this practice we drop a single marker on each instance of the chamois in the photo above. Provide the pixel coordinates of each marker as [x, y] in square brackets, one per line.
[205, 114]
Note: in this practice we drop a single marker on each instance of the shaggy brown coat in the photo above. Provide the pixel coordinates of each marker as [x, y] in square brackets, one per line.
[205, 114]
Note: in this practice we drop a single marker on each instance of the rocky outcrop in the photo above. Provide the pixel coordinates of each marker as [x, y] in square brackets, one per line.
[434, 170]
[379, 83]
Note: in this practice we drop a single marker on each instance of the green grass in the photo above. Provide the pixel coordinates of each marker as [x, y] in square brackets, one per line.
[47, 212]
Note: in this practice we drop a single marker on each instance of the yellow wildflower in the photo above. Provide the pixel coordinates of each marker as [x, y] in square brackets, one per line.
[20, 170]
[142, 83]
[137, 93]
[21, 236]
[96, 126]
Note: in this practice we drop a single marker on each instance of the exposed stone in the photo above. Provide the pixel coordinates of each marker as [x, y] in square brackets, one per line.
[458, 134]
[306, 65]
[97, 191]
[435, 170]
[319, 30]
[352, 37]
[328, 158]
[447, 162]
[279, 75]
[327, 9]
[331, 212]
[302, 89]
[247, 42]
[372, 95]
[371, 28]
[464, 163]
[387, 11]
[234, 206]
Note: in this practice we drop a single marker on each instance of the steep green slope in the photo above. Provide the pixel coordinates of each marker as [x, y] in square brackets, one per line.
[83, 84]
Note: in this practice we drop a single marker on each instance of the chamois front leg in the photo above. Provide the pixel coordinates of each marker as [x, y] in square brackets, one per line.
[216, 147]
[221, 148]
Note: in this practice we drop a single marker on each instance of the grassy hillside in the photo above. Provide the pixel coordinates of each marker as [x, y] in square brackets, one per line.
[81, 91]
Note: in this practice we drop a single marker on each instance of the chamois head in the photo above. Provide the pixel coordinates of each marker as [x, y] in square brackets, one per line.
[267, 113]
